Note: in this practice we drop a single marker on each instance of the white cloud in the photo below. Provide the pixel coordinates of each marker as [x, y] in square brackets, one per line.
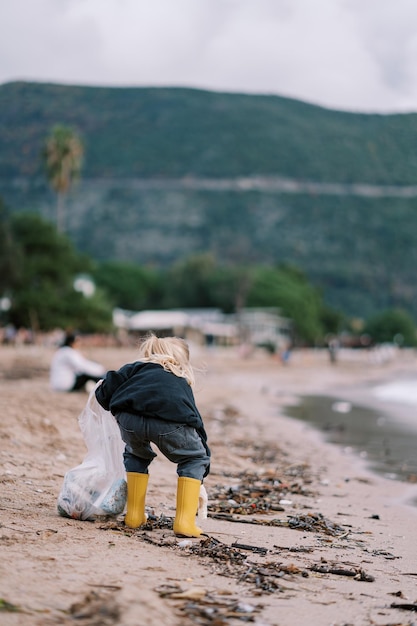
[346, 54]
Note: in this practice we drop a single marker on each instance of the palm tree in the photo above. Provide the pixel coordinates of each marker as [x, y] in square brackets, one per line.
[63, 155]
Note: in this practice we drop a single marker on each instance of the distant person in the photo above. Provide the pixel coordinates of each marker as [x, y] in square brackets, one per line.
[9, 336]
[286, 353]
[333, 347]
[152, 401]
[70, 370]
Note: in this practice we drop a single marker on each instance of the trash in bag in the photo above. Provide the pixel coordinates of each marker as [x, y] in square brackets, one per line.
[97, 486]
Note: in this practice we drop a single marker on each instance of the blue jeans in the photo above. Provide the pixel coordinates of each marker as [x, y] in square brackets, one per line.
[180, 443]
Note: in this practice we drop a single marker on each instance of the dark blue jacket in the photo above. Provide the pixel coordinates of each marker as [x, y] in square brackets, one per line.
[147, 389]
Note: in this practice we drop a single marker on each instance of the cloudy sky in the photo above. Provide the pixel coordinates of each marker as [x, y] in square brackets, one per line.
[356, 55]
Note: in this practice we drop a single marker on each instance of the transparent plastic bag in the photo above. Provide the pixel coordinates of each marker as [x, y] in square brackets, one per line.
[98, 486]
[202, 504]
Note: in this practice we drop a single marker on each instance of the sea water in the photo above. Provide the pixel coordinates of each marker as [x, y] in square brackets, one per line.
[377, 423]
[400, 391]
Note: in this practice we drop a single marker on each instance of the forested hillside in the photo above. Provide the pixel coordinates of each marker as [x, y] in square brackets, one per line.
[137, 132]
[252, 179]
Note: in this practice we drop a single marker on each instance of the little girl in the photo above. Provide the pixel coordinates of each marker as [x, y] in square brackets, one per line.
[152, 401]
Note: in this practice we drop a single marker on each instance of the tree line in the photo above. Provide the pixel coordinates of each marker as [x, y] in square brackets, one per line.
[41, 273]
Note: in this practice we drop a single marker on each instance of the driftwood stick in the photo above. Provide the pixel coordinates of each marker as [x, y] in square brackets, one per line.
[358, 574]
[405, 606]
[229, 518]
[244, 546]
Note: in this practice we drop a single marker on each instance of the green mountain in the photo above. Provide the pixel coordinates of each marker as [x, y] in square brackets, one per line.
[254, 179]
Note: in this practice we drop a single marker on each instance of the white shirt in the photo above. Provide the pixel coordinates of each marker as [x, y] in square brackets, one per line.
[66, 364]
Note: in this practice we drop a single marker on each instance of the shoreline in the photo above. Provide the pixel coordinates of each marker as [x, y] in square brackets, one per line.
[363, 524]
[383, 437]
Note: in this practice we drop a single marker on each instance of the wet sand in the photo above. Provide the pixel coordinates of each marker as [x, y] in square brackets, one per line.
[317, 533]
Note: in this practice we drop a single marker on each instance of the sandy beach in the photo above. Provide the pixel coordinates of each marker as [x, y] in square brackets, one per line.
[298, 530]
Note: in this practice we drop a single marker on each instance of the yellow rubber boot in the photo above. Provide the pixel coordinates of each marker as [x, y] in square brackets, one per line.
[188, 491]
[137, 485]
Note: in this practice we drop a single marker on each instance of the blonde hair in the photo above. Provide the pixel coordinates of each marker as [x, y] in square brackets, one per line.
[170, 352]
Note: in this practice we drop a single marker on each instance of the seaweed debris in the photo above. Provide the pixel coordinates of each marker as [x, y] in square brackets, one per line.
[232, 563]
[205, 608]
[258, 493]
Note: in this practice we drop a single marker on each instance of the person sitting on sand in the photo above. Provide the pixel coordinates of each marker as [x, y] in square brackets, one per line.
[152, 401]
[70, 370]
